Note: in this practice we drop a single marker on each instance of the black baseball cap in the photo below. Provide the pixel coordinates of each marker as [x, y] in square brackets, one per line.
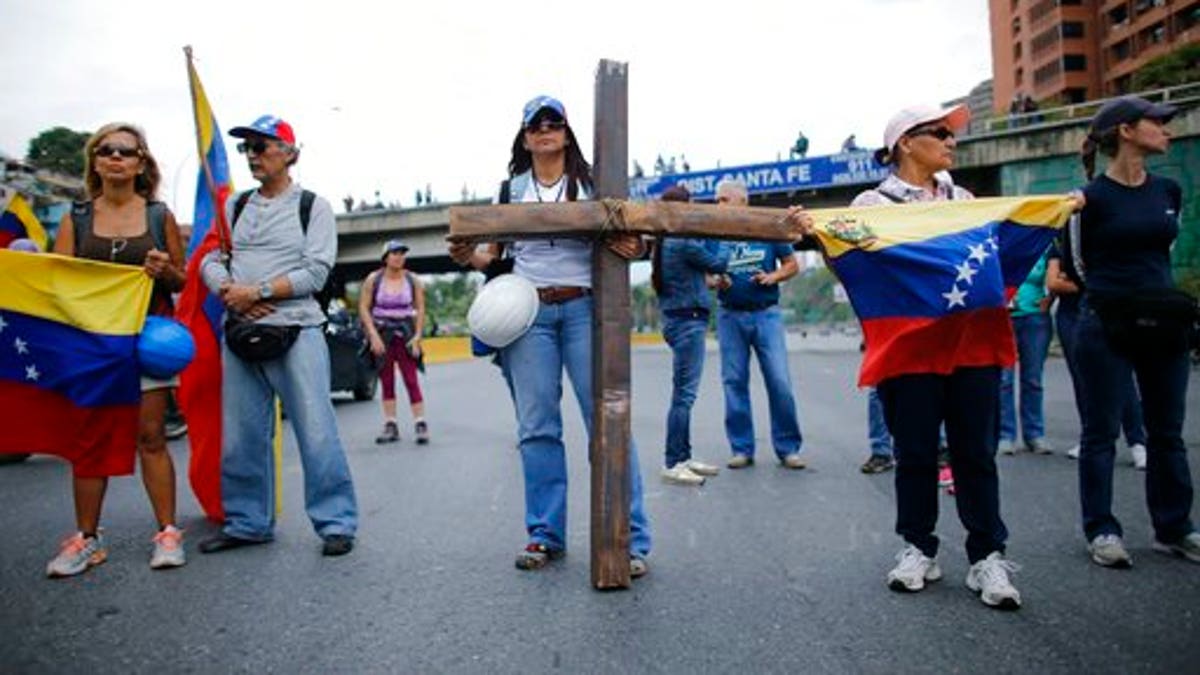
[1128, 110]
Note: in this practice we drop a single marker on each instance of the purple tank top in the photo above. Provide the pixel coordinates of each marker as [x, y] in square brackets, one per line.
[393, 306]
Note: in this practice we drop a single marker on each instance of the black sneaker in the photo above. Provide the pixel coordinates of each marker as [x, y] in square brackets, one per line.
[535, 556]
[390, 433]
[877, 464]
[337, 544]
[422, 433]
[225, 542]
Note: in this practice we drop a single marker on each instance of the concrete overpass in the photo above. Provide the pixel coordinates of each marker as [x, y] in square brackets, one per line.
[1040, 158]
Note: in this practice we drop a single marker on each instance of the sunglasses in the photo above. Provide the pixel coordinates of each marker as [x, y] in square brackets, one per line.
[545, 125]
[120, 151]
[940, 133]
[257, 146]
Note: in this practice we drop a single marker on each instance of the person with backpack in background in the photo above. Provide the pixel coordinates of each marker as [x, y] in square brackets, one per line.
[392, 309]
[275, 346]
[122, 223]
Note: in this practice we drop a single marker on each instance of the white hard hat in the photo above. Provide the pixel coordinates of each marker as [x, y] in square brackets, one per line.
[503, 310]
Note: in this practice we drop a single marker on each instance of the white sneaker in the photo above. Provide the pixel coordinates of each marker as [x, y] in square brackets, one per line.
[1073, 453]
[1138, 452]
[1188, 547]
[680, 474]
[989, 578]
[1109, 551]
[168, 549]
[1007, 447]
[914, 569]
[76, 555]
[702, 469]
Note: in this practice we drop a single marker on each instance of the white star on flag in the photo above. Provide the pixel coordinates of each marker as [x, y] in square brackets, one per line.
[992, 243]
[21, 345]
[966, 272]
[977, 253]
[955, 297]
[2, 324]
[31, 373]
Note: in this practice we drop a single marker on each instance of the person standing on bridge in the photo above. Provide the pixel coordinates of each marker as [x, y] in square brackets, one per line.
[750, 319]
[391, 307]
[547, 165]
[919, 145]
[1122, 250]
[267, 284]
[681, 266]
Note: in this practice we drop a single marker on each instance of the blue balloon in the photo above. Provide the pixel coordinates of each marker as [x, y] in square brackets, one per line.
[165, 347]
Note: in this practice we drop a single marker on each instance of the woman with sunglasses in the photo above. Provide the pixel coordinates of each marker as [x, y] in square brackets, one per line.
[547, 165]
[122, 223]
[919, 145]
[1122, 250]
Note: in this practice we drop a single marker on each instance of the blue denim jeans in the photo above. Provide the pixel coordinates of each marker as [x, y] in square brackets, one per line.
[1033, 343]
[560, 337]
[1162, 381]
[877, 431]
[301, 380]
[1132, 423]
[762, 331]
[686, 339]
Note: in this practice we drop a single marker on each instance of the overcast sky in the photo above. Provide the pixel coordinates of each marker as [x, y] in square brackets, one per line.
[390, 96]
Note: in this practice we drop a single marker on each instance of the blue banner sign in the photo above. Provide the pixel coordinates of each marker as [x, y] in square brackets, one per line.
[851, 168]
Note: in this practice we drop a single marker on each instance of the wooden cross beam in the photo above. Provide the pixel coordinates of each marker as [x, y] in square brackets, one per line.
[612, 320]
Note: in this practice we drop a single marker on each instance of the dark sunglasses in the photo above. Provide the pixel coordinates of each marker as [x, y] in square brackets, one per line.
[110, 150]
[257, 146]
[940, 133]
[545, 125]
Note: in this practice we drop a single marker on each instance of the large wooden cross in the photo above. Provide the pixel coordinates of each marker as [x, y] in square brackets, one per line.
[612, 320]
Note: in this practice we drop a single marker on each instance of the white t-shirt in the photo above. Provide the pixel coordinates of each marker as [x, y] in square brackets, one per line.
[551, 262]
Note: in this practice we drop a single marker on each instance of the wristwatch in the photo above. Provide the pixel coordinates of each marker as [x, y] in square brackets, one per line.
[265, 291]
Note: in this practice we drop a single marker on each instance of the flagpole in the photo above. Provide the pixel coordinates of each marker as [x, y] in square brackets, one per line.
[219, 212]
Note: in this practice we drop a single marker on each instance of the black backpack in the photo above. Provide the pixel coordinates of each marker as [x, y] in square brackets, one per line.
[156, 222]
[307, 197]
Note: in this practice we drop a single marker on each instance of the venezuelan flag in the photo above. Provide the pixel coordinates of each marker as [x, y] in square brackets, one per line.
[199, 310]
[69, 379]
[17, 221]
[930, 282]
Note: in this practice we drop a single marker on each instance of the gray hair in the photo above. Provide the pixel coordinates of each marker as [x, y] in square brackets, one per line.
[736, 186]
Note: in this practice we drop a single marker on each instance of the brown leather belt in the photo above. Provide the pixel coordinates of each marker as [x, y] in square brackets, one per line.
[556, 295]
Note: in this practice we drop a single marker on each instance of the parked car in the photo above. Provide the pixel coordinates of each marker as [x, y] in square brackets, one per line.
[350, 364]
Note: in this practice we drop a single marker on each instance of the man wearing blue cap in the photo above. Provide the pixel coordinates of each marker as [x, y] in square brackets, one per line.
[283, 246]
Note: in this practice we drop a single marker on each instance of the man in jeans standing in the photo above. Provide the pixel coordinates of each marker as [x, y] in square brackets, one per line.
[750, 318]
[681, 267]
[278, 261]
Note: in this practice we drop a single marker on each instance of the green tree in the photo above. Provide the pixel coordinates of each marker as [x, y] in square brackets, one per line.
[1179, 67]
[59, 149]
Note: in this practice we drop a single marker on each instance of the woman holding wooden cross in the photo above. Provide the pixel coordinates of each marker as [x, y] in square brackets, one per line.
[547, 165]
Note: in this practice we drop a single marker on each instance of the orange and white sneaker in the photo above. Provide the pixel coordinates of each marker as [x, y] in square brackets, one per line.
[76, 555]
[168, 549]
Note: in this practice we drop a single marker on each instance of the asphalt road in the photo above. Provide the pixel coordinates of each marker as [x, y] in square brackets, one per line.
[762, 570]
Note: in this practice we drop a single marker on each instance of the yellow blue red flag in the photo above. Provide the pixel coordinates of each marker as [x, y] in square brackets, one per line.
[69, 378]
[201, 312]
[18, 222]
[930, 282]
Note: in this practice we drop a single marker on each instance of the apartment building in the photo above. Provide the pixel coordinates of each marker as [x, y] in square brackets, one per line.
[1067, 51]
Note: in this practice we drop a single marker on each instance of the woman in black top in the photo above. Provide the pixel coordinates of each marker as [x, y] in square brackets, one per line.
[1125, 233]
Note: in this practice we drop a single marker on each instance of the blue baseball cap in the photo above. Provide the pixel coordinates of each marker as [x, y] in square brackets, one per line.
[539, 103]
[1128, 110]
[393, 246]
[269, 126]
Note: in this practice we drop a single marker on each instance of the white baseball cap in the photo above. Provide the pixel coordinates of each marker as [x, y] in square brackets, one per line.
[914, 116]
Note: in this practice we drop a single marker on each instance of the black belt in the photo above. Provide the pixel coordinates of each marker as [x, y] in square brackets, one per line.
[687, 313]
